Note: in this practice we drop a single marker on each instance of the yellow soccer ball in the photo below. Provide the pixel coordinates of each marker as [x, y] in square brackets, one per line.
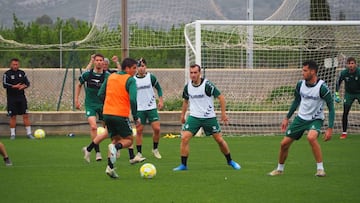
[147, 171]
[39, 134]
[101, 130]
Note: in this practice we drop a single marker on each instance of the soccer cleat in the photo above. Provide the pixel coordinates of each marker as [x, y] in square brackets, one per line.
[12, 137]
[156, 153]
[30, 136]
[8, 162]
[234, 165]
[275, 173]
[113, 152]
[111, 172]
[343, 136]
[182, 167]
[98, 156]
[320, 173]
[86, 154]
[137, 159]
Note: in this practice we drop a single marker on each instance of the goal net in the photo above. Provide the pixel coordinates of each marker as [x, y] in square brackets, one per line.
[155, 32]
[256, 65]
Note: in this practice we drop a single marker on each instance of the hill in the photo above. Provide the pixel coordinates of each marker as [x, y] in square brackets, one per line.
[29, 10]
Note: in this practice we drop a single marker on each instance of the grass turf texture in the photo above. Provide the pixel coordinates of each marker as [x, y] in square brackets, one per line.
[53, 170]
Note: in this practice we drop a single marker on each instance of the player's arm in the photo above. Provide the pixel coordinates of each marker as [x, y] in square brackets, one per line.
[77, 93]
[155, 83]
[326, 95]
[78, 86]
[132, 90]
[296, 101]
[293, 107]
[25, 82]
[91, 62]
[212, 90]
[115, 59]
[337, 87]
[6, 83]
[224, 117]
[185, 104]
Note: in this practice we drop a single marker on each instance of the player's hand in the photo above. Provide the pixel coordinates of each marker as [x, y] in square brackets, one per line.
[22, 86]
[182, 119]
[336, 97]
[115, 59]
[160, 104]
[77, 105]
[225, 119]
[284, 124]
[328, 134]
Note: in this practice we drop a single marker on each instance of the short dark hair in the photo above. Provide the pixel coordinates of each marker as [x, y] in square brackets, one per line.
[141, 60]
[196, 65]
[100, 55]
[128, 62]
[350, 59]
[312, 65]
[14, 59]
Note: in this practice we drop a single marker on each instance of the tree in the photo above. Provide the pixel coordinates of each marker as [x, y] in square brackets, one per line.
[44, 20]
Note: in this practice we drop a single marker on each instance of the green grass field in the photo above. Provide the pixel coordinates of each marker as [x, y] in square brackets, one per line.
[53, 170]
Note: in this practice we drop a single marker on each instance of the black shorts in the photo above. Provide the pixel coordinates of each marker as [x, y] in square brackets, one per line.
[17, 106]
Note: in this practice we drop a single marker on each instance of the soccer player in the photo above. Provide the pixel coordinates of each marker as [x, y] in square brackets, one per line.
[93, 80]
[199, 93]
[15, 81]
[5, 155]
[310, 95]
[147, 110]
[119, 92]
[351, 76]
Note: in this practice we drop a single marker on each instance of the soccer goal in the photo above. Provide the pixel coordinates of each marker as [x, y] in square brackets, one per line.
[256, 65]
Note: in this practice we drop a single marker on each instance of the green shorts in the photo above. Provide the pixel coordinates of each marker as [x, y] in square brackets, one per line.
[93, 110]
[210, 125]
[350, 98]
[118, 125]
[299, 126]
[148, 115]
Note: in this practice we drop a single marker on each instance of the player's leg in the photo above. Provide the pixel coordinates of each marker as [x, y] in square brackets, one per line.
[312, 137]
[294, 132]
[27, 124]
[23, 110]
[348, 101]
[5, 155]
[99, 137]
[93, 126]
[155, 125]
[12, 126]
[191, 126]
[133, 159]
[91, 117]
[12, 112]
[121, 134]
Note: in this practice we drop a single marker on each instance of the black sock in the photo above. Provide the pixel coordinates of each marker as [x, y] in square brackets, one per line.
[155, 145]
[184, 160]
[118, 146]
[110, 164]
[131, 153]
[139, 148]
[228, 157]
[97, 148]
[5, 159]
[90, 147]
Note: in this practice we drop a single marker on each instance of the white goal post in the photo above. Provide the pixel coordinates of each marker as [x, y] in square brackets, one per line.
[256, 65]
